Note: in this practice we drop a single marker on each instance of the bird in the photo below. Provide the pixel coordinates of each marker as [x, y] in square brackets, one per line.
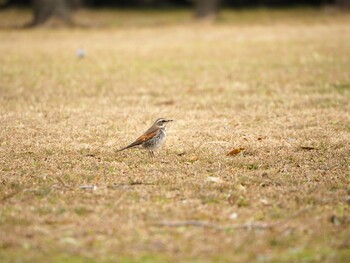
[153, 138]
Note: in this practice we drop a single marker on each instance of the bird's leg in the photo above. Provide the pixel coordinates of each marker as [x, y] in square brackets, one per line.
[151, 153]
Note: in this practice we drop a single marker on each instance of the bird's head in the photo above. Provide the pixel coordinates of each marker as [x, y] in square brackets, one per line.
[161, 122]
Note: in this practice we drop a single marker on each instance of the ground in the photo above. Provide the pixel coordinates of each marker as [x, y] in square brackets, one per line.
[276, 83]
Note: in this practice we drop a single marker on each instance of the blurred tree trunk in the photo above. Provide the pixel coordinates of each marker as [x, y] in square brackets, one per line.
[45, 9]
[343, 3]
[206, 9]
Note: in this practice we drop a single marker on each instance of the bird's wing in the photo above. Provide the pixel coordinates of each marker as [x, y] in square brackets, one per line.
[143, 138]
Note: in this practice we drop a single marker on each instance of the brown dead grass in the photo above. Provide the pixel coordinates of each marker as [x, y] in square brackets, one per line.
[270, 89]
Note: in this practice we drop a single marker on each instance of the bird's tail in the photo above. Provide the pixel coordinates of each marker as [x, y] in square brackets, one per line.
[134, 144]
[122, 149]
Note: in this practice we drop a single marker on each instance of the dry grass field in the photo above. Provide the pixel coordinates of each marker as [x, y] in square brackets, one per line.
[274, 83]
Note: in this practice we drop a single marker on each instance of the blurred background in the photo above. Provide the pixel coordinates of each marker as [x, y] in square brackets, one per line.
[43, 10]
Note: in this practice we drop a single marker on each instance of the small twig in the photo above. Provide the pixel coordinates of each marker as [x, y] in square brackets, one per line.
[189, 223]
[296, 214]
[248, 226]
[126, 185]
[205, 224]
[88, 187]
[215, 142]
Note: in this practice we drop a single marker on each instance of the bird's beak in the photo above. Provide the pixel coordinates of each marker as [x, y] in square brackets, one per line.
[169, 120]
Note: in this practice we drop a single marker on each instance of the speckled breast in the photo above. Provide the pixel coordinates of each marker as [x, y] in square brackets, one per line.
[156, 141]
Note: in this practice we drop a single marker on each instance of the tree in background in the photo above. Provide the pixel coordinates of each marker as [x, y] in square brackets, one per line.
[206, 9]
[343, 3]
[45, 9]
[62, 9]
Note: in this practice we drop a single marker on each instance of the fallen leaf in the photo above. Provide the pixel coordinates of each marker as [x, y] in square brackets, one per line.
[214, 179]
[233, 216]
[232, 199]
[241, 188]
[264, 201]
[168, 102]
[193, 158]
[235, 151]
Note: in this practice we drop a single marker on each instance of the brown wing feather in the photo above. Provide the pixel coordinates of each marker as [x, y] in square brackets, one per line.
[147, 136]
[143, 138]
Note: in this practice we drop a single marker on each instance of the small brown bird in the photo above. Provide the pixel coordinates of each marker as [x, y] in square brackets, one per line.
[153, 138]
